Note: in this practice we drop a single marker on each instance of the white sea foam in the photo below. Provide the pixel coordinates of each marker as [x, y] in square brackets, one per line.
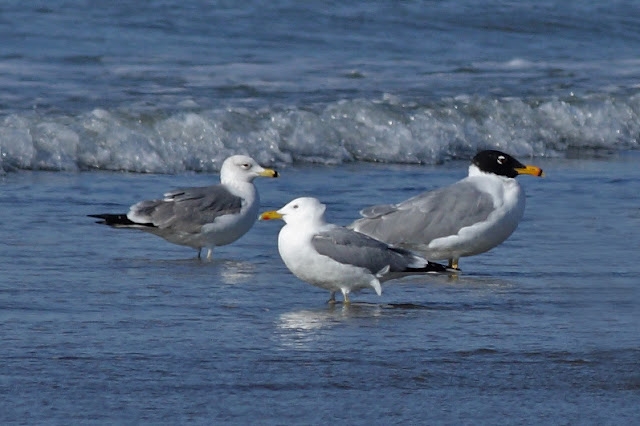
[344, 131]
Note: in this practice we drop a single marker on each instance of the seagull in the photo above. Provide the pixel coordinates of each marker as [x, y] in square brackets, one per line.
[466, 218]
[336, 258]
[201, 217]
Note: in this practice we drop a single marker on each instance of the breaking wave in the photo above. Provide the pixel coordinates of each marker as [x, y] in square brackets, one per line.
[385, 130]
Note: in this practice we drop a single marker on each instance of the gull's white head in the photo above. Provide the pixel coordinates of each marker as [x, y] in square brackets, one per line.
[241, 168]
[301, 210]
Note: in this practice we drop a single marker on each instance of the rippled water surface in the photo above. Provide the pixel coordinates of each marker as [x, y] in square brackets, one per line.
[108, 326]
[166, 86]
[102, 105]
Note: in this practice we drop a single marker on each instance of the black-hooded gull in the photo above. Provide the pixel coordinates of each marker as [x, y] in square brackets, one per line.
[467, 218]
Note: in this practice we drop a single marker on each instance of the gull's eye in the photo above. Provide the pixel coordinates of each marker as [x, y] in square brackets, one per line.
[245, 166]
[295, 206]
[501, 159]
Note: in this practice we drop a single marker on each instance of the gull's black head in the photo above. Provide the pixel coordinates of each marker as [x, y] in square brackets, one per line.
[501, 164]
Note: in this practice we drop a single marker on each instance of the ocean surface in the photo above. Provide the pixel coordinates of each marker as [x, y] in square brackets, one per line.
[355, 103]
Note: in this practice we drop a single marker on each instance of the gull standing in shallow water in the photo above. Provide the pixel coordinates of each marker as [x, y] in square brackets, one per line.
[335, 258]
[201, 217]
[467, 218]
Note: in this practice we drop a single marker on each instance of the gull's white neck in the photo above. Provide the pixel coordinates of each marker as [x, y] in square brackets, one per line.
[245, 190]
[232, 178]
[307, 224]
[475, 171]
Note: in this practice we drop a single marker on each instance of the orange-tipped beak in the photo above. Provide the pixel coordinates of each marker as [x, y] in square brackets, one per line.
[270, 215]
[530, 170]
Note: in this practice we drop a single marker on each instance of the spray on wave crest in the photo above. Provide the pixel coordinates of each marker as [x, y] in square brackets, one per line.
[339, 132]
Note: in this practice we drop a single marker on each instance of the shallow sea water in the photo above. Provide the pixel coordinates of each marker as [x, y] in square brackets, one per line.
[104, 326]
[108, 326]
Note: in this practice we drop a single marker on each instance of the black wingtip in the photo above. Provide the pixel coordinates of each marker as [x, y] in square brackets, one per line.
[112, 219]
[435, 268]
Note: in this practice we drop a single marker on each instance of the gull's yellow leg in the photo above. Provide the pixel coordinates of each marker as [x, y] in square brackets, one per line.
[453, 263]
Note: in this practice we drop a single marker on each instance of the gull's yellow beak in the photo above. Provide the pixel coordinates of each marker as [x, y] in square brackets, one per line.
[530, 170]
[269, 173]
[270, 215]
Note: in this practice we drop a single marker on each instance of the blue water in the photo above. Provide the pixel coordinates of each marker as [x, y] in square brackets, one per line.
[168, 86]
[355, 104]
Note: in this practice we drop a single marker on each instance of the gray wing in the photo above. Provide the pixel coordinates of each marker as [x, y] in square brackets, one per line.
[427, 216]
[188, 209]
[352, 248]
